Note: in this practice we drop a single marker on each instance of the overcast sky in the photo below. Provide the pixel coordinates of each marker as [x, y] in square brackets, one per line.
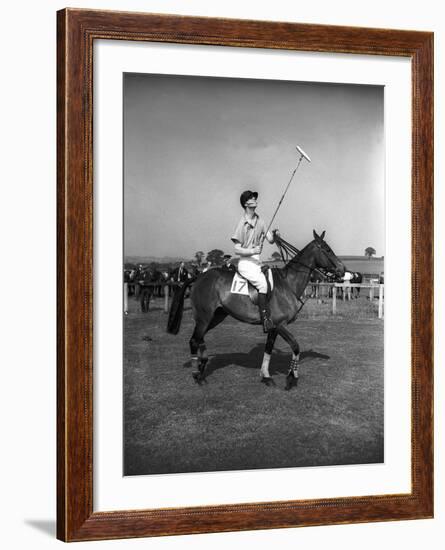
[193, 144]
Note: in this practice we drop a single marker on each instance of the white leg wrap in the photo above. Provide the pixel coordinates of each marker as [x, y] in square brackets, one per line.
[294, 364]
[265, 366]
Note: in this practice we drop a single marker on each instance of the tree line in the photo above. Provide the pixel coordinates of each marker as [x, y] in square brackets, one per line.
[216, 257]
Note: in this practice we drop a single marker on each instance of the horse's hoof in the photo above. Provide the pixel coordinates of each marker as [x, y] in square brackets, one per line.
[290, 382]
[268, 381]
[197, 377]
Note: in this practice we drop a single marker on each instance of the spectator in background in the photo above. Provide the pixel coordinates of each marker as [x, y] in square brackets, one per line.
[194, 271]
[347, 285]
[179, 274]
[228, 265]
[139, 272]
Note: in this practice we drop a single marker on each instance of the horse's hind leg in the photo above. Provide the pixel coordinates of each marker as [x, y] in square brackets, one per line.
[292, 375]
[197, 346]
[218, 317]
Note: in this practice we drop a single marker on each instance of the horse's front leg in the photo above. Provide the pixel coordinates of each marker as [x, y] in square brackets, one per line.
[203, 359]
[292, 374]
[265, 376]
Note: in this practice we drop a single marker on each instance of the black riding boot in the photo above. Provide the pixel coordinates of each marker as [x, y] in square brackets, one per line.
[263, 305]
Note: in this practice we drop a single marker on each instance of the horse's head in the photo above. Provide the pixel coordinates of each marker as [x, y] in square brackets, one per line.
[324, 256]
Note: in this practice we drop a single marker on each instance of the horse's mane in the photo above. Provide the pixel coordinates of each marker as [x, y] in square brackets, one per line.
[299, 254]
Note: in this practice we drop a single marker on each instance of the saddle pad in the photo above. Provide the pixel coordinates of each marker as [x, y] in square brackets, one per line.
[240, 285]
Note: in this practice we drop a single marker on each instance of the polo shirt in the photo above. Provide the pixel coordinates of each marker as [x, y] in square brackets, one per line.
[250, 232]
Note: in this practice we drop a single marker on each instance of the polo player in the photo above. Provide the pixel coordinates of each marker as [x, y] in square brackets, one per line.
[248, 239]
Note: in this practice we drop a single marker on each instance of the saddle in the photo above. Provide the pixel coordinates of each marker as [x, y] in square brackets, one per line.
[240, 285]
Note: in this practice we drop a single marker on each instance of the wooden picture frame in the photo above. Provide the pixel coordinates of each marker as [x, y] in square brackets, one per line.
[77, 31]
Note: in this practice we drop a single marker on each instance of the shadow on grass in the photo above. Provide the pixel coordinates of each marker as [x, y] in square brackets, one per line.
[279, 363]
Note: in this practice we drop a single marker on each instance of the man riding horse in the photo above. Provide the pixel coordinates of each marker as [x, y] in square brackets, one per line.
[248, 238]
[213, 295]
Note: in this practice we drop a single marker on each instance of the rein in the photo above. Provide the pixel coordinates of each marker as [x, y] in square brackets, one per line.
[290, 255]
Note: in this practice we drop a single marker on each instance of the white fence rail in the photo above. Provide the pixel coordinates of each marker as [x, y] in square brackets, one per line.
[139, 288]
[346, 293]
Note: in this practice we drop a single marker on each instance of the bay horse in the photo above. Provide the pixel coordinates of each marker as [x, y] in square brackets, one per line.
[212, 300]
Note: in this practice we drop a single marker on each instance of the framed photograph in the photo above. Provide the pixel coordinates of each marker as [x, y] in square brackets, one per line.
[245, 259]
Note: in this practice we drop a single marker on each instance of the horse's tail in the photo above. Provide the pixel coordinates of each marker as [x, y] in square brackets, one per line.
[177, 307]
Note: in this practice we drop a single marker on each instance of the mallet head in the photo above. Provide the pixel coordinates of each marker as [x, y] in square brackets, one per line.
[303, 154]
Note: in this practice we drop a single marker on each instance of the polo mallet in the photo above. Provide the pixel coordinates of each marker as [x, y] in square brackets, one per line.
[303, 155]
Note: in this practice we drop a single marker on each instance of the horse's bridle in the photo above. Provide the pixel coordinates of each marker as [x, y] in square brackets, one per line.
[286, 249]
[327, 256]
[296, 260]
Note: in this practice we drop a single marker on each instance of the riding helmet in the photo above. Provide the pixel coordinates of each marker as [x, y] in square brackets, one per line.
[246, 195]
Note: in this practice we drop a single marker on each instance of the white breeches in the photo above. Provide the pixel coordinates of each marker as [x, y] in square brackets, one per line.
[251, 270]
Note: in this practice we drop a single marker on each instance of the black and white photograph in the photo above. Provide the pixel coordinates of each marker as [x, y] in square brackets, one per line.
[229, 217]
[253, 271]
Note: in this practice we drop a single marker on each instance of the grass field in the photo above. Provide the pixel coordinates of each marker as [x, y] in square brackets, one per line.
[334, 416]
